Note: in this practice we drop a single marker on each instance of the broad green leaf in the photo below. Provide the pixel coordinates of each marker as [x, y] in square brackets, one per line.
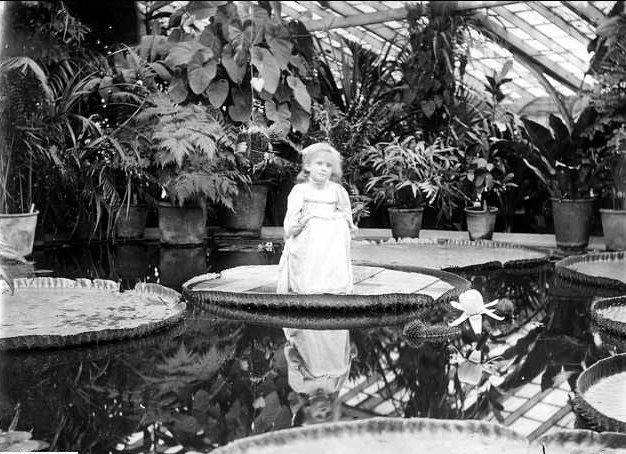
[210, 40]
[270, 73]
[178, 90]
[182, 53]
[300, 93]
[242, 105]
[281, 49]
[202, 10]
[300, 119]
[201, 75]
[299, 62]
[161, 70]
[235, 72]
[275, 113]
[217, 92]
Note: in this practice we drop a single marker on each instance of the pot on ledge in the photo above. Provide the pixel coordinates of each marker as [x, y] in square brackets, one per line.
[481, 222]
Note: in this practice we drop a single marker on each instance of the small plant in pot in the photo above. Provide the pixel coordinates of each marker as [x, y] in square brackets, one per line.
[614, 217]
[260, 167]
[192, 158]
[563, 160]
[486, 178]
[407, 174]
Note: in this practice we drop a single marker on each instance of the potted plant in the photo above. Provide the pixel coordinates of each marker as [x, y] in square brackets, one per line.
[407, 174]
[23, 85]
[614, 218]
[486, 179]
[192, 159]
[560, 158]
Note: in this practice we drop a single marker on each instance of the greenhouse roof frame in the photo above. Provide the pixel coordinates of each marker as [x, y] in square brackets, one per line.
[546, 39]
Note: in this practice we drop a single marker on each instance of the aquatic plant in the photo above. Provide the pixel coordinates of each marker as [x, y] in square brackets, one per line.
[473, 307]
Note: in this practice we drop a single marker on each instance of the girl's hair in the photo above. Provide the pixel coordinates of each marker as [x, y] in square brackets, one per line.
[309, 153]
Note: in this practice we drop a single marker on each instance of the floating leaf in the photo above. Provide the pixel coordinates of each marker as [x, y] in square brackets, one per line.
[217, 92]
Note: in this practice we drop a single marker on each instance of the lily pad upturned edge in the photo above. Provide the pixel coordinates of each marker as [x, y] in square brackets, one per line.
[376, 425]
[583, 409]
[605, 323]
[511, 265]
[563, 270]
[51, 341]
[329, 303]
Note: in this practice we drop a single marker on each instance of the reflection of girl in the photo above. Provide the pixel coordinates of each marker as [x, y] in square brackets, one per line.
[316, 255]
[318, 363]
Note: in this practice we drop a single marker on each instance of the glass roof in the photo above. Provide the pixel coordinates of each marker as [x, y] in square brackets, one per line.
[544, 38]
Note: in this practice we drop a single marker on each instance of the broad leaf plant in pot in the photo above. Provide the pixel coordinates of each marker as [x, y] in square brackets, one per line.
[407, 174]
[192, 158]
[19, 76]
[563, 160]
[485, 146]
[486, 178]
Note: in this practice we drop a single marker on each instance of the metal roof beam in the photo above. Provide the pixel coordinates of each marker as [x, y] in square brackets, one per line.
[587, 11]
[346, 10]
[353, 20]
[519, 48]
[377, 45]
[559, 22]
[539, 36]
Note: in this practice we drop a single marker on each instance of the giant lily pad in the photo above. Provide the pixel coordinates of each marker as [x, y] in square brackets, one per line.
[53, 312]
[445, 254]
[376, 289]
[420, 435]
[603, 270]
[599, 399]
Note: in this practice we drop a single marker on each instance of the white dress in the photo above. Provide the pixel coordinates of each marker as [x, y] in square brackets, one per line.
[317, 360]
[317, 259]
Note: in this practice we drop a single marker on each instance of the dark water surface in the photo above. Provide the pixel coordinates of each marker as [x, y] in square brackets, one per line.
[210, 380]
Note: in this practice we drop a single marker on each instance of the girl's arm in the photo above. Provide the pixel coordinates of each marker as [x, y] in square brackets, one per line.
[345, 208]
[294, 223]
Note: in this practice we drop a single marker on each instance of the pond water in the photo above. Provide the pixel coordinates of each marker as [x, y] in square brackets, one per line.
[210, 380]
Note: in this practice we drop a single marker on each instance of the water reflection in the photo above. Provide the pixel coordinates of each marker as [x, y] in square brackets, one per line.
[214, 380]
[318, 364]
[177, 265]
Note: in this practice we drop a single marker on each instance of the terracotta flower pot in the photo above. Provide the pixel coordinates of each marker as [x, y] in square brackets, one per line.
[481, 223]
[181, 226]
[249, 209]
[18, 231]
[405, 222]
[131, 223]
[572, 222]
[614, 229]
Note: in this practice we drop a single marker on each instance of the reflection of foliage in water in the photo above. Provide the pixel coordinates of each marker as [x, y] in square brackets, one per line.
[216, 382]
[552, 338]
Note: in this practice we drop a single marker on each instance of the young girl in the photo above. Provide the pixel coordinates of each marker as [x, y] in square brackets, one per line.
[318, 223]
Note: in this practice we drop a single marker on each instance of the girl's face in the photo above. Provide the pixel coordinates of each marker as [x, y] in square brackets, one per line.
[320, 167]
